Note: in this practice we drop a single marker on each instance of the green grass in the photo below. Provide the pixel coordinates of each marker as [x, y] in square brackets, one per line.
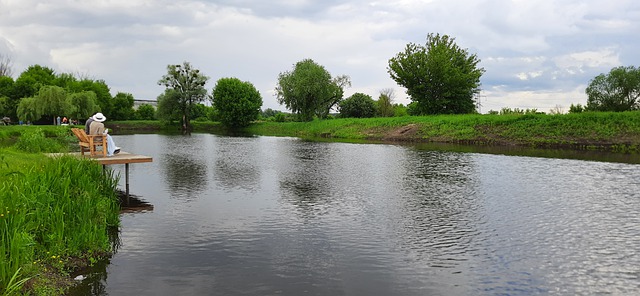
[54, 212]
[613, 131]
[603, 130]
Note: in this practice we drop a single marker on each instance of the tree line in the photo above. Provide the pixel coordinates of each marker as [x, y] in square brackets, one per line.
[39, 95]
[440, 78]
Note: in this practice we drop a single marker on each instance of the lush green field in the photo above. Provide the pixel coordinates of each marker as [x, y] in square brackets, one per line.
[597, 130]
[54, 212]
[613, 131]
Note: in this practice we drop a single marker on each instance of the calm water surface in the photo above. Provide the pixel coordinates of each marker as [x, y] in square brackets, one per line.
[282, 216]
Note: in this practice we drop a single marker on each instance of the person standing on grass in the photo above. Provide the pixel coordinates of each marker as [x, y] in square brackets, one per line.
[97, 128]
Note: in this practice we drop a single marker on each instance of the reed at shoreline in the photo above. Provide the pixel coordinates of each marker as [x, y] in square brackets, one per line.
[55, 213]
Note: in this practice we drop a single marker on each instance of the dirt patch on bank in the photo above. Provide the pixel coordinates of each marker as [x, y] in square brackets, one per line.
[404, 133]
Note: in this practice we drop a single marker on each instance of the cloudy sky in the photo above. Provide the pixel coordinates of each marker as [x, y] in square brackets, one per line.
[537, 54]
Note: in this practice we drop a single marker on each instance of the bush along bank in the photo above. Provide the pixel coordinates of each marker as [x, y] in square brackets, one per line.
[55, 217]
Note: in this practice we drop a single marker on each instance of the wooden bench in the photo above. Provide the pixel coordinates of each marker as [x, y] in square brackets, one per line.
[89, 143]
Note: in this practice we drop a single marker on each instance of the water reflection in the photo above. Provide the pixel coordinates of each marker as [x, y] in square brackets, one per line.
[183, 164]
[440, 207]
[236, 164]
[185, 176]
[304, 176]
[283, 216]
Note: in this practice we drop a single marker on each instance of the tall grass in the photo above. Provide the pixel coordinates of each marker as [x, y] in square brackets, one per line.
[51, 209]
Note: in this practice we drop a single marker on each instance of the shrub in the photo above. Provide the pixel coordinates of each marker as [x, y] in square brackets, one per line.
[34, 141]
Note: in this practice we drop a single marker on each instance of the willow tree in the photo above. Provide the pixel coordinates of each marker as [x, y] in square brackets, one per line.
[52, 100]
[440, 77]
[84, 104]
[27, 110]
[187, 87]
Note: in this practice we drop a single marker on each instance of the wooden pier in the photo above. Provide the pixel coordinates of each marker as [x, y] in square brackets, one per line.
[125, 158]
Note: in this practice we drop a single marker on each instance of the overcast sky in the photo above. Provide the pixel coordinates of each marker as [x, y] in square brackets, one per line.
[537, 54]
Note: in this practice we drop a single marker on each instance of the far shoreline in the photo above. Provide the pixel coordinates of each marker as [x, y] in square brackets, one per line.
[617, 132]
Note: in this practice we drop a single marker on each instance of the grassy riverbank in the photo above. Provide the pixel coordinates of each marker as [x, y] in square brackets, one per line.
[55, 213]
[609, 131]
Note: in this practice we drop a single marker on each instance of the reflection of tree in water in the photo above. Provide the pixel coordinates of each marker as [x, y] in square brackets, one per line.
[185, 176]
[237, 163]
[305, 181]
[440, 206]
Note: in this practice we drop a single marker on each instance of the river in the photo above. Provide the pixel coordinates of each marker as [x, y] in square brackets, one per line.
[284, 216]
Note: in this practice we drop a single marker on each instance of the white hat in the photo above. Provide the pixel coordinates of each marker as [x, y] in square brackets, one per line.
[99, 117]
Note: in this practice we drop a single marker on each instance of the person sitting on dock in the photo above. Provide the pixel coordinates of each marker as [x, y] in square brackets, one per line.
[87, 125]
[97, 128]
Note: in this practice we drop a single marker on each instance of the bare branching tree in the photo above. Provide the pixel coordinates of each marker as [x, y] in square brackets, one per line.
[6, 65]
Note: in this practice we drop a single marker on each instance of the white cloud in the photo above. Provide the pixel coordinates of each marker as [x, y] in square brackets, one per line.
[604, 58]
[532, 51]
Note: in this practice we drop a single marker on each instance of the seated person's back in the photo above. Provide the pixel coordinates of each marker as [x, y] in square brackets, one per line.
[96, 128]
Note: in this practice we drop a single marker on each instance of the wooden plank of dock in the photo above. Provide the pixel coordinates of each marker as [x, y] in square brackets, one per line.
[120, 158]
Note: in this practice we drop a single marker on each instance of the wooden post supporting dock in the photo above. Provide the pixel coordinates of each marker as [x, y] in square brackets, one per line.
[126, 159]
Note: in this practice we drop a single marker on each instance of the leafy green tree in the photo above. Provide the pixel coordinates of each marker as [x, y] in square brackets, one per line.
[267, 113]
[188, 86]
[238, 102]
[30, 81]
[169, 106]
[200, 112]
[400, 110]
[413, 109]
[28, 110]
[84, 104]
[102, 91]
[578, 108]
[122, 108]
[6, 91]
[440, 76]
[310, 90]
[146, 112]
[6, 86]
[67, 81]
[28, 84]
[385, 103]
[4, 106]
[52, 100]
[358, 105]
[617, 91]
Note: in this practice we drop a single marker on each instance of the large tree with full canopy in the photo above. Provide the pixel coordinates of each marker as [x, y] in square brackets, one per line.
[237, 102]
[358, 105]
[84, 104]
[187, 85]
[310, 90]
[440, 77]
[617, 91]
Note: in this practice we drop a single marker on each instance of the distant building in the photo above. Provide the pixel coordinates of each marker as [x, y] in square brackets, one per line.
[138, 102]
